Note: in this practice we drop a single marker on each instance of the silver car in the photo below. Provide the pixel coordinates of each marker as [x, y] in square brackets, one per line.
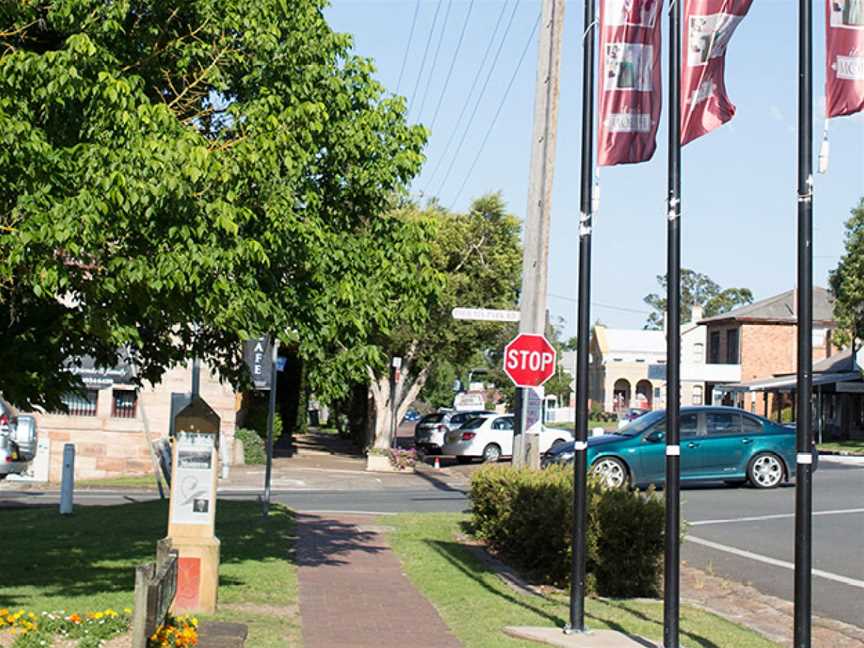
[430, 430]
[18, 438]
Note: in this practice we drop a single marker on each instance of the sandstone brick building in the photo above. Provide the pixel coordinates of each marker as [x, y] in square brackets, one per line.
[114, 424]
[762, 339]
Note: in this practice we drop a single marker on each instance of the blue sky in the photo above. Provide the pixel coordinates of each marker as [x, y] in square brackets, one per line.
[739, 202]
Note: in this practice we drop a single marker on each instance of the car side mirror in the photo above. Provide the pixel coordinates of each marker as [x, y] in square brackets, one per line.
[655, 437]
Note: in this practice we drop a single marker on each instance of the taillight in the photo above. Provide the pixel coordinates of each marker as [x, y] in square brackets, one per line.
[467, 436]
[4, 420]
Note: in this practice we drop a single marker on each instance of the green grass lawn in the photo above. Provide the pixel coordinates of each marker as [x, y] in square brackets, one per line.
[850, 447]
[140, 482]
[86, 562]
[477, 604]
[606, 425]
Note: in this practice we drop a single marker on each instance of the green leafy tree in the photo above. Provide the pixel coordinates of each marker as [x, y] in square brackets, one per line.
[696, 290]
[476, 258]
[177, 176]
[847, 280]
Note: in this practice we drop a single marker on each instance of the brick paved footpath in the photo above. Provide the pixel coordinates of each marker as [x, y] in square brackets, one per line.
[353, 593]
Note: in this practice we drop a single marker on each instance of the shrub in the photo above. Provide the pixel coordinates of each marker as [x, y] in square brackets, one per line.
[254, 449]
[526, 516]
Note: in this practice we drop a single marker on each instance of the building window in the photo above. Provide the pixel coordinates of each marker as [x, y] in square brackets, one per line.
[699, 353]
[124, 403]
[732, 346]
[714, 349]
[83, 404]
[697, 395]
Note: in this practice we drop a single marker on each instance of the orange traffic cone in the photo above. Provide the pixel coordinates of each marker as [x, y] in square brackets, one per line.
[437, 463]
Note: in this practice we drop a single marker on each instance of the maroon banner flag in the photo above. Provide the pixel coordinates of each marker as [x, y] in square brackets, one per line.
[844, 78]
[630, 82]
[708, 28]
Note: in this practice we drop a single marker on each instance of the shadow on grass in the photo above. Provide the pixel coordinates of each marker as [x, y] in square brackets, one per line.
[462, 558]
[459, 556]
[656, 625]
[95, 550]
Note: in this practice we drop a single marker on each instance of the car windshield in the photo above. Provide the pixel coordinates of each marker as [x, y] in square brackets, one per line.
[432, 418]
[474, 423]
[641, 424]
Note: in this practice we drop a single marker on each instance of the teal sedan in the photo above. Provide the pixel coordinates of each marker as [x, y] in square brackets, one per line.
[717, 444]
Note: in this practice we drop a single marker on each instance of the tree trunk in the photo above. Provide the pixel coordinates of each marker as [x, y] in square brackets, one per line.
[407, 391]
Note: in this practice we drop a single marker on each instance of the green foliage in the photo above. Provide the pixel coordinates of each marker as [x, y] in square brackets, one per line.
[256, 416]
[527, 516]
[847, 280]
[178, 176]
[254, 447]
[696, 290]
[474, 259]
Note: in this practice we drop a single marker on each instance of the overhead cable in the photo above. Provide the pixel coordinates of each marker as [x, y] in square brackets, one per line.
[470, 93]
[479, 100]
[497, 113]
[408, 46]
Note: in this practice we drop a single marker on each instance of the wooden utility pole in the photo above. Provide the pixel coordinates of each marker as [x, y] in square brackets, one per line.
[535, 255]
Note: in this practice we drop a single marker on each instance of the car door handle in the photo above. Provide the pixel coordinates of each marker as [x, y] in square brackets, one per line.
[746, 441]
[692, 445]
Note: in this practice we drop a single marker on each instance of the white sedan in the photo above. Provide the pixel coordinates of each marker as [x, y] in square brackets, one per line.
[490, 437]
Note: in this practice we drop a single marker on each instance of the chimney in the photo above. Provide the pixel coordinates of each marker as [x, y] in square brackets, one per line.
[696, 313]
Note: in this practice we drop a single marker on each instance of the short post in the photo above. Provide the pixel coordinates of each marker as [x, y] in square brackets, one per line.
[67, 485]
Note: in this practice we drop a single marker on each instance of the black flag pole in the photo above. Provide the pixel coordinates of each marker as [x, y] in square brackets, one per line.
[804, 479]
[580, 515]
[671, 594]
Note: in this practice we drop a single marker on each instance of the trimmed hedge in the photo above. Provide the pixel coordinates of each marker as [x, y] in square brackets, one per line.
[254, 450]
[526, 516]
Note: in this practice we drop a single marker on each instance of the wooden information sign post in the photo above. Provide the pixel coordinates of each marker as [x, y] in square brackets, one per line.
[192, 517]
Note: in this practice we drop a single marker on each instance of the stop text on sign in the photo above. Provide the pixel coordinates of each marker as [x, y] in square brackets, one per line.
[529, 360]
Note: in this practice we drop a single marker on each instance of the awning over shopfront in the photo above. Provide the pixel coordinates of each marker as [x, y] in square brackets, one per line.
[787, 383]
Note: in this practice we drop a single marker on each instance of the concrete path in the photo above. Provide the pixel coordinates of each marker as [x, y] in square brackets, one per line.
[353, 593]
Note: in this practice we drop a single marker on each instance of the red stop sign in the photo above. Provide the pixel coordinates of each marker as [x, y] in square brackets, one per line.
[529, 360]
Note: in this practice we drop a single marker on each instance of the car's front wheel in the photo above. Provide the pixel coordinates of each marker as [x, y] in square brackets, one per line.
[557, 444]
[765, 470]
[491, 453]
[611, 471]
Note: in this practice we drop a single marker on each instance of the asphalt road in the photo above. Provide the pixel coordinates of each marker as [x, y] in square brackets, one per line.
[739, 533]
[749, 536]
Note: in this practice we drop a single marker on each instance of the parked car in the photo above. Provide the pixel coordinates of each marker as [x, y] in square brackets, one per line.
[18, 439]
[717, 444]
[430, 430]
[412, 415]
[490, 437]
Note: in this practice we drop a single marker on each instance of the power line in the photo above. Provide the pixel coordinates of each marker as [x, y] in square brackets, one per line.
[408, 46]
[452, 65]
[434, 59]
[497, 112]
[599, 305]
[425, 54]
[479, 99]
[470, 93]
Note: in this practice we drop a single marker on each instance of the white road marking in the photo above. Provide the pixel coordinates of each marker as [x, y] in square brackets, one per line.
[778, 516]
[773, 561]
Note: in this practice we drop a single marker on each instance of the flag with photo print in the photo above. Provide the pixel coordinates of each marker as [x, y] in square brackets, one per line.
[630, 81]
[708, 27]
[844, 76]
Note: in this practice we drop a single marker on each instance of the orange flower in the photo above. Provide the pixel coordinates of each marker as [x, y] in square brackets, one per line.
[74, 618]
